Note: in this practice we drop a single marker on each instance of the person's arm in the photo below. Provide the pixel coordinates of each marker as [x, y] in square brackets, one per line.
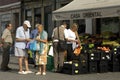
[66, 33]
[19, 39]
[40, 40]
[43, 40]
[22, 40]
[4, 35]
[71, 40]
[1, 42]
[76, 33]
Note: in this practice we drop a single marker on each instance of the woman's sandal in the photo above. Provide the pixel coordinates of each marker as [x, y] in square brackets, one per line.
[38, 73]
[44, 73]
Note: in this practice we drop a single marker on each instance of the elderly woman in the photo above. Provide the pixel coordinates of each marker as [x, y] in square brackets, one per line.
[72, 41]
[41, 55]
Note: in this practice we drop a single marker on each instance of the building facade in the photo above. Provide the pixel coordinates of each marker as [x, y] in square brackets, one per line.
[9, 13]
[36, 11]
[40, 11]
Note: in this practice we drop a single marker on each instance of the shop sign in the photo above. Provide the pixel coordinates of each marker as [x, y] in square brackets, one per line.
[74, 16]
[85, 15]
[92, 14]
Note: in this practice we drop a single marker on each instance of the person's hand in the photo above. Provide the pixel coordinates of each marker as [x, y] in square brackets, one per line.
[37, 39]
[28, 40]
[76, 41]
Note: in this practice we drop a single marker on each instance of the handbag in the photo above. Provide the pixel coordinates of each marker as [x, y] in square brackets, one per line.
[62, 45]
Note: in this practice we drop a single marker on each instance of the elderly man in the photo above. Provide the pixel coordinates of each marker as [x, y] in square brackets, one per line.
[22, 37]
[6, 43]
[58, 54]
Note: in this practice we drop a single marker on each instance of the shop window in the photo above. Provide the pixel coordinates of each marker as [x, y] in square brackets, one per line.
[110, 24]
[48, 16]
[48, 24]
[29, 15]
[37, 16]
[81, 25]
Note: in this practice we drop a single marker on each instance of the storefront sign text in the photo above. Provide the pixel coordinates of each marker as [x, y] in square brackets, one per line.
[92, 14]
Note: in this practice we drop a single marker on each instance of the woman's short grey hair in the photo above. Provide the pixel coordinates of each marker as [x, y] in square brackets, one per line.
[37, 25]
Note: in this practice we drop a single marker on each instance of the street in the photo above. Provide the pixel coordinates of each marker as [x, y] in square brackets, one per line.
[13, 75]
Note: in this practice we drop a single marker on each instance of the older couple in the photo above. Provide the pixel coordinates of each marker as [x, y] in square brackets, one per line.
[22, 38]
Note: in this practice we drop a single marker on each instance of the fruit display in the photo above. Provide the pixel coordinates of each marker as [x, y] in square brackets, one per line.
[112, 43]
[104, 48]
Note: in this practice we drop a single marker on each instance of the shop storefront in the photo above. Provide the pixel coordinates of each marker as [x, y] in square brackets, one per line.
[40, 11]
[10, 14]
[100, 48]
[93, 12]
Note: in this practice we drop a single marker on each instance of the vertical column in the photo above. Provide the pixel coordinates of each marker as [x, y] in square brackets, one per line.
[58, 5]
[88, 25]
[94, 26]
[119, 26]
[54, 8]
[32, 11]
[0, 25]
[71, 22]
[19, 17]
[42, 12]
[22, 11]
[42, 15]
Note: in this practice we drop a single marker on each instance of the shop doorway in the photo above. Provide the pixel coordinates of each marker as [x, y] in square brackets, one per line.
[48, 23]
[16, 21]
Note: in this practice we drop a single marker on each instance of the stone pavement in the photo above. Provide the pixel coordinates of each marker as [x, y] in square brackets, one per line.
[13, 75]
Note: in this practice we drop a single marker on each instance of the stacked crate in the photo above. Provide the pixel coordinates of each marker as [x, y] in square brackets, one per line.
[105, 56]
[94, 61]
[114, 64]
[83, 63]
[71, 67]
[93, 57]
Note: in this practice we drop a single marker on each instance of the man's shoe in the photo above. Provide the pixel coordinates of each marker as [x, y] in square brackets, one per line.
[28, 72]
[22, 72]
[9, 68]
[4, 70]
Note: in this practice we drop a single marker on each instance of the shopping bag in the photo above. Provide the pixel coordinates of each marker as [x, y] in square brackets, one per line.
[51, 51]
[77, 51]
[34, 46]
[27, 45]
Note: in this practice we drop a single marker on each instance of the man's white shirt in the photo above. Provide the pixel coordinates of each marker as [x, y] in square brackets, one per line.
[21, 34]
